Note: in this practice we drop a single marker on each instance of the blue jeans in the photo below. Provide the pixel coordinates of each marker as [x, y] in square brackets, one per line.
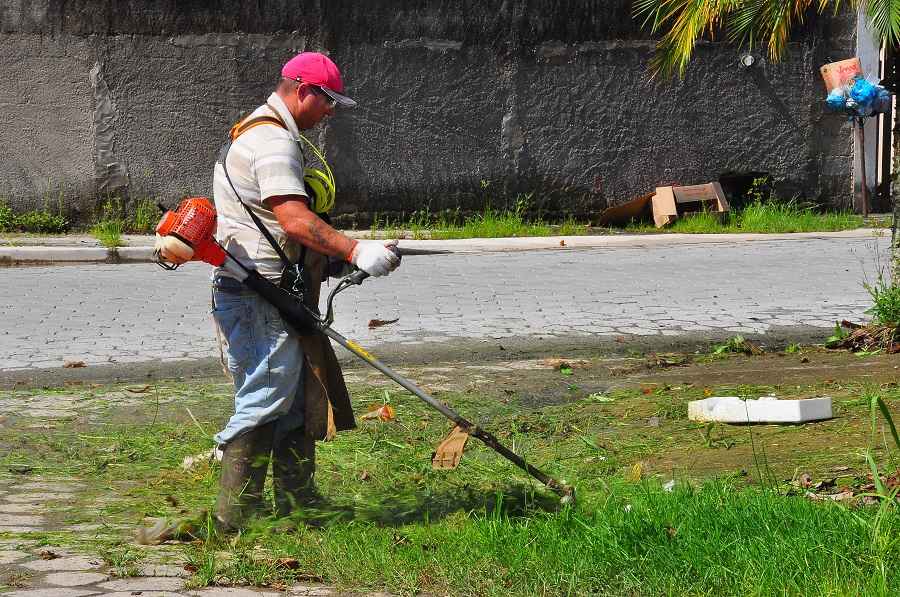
[264, 357]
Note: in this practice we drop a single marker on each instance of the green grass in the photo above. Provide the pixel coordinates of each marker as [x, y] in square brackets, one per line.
[715, 539]
[7, 218]
[111, 223]
[772, 218]
[485, 528]
[109, 232]
[41, 221]
[491, 223]
[145, 218]
[885, 295]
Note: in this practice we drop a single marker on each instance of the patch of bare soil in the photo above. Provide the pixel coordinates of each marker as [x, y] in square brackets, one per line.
[644, 419]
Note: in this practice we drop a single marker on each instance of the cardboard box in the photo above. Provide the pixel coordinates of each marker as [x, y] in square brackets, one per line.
[635, 210]
[671, 202]
[840, 73]
[666, 204]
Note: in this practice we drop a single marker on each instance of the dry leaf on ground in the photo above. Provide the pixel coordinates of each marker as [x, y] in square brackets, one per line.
[384, 412]
[377, 323]
[636, 472]
[289, 563]
[559, 363]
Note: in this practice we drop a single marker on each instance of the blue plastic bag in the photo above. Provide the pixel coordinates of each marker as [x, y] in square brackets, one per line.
[837, 99]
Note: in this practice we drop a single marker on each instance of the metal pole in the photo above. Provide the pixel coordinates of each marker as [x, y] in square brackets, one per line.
[858, 127]
[565, 491]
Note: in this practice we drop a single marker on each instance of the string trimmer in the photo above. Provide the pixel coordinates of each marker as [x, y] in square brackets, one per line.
[188, 233]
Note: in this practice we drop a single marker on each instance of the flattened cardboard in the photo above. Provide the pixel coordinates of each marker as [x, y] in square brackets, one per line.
[449, 451]
[664, 209]
[635, 209]
[840, 73]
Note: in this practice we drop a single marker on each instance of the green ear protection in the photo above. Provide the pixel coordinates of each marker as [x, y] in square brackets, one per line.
[319, 183]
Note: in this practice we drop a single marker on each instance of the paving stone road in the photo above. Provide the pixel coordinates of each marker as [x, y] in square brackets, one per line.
[137, 313]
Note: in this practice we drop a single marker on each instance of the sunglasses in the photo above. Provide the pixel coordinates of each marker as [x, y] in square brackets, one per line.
[332, 103]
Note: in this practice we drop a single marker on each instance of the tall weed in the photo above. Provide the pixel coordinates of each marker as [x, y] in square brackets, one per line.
[7, 218]
[108, 230]
[885, 309]
[41, 221]
[146, 215]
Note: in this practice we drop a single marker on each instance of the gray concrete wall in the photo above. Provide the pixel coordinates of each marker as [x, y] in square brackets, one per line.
[461, 103]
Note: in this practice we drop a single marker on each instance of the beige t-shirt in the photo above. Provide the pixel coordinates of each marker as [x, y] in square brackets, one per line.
[263, 162]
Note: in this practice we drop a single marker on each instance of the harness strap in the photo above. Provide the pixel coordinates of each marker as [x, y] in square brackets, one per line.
[245, 125]
[236, 131]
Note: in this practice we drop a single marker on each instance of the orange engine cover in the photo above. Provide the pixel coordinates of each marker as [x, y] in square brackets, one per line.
[194, 223]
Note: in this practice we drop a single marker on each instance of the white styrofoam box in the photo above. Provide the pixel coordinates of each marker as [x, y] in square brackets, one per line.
[768, 409]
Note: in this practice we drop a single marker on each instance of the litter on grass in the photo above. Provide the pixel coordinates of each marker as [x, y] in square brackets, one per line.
[767, 409]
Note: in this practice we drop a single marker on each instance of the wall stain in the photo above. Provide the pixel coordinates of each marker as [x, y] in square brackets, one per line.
[110, 173]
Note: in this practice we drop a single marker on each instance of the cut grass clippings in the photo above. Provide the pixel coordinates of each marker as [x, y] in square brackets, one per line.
[393, 523]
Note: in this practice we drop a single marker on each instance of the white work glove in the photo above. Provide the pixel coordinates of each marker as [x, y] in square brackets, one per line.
[374, 257]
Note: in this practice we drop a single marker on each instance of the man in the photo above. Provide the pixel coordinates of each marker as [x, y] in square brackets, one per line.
[289, 391]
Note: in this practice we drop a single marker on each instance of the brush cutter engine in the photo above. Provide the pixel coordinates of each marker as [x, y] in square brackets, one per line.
[186, 234]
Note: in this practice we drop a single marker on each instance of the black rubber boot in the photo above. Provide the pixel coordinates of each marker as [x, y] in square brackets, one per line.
[293, 472]
[245, 461]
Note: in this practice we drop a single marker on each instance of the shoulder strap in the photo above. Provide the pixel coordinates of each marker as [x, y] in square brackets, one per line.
[236, 131]
[245, 125]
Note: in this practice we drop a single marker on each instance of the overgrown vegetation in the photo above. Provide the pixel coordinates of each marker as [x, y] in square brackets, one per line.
[882, 333]
[7, 218]
[885, 295]
[491, 223]
[764, 212]
[145, 217]
[41, 221]
[670, 508]
[108, 229]
[114, 218]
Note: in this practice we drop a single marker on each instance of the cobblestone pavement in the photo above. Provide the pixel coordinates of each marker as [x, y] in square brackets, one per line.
[101, 314]
[34, 569]
[33, 505]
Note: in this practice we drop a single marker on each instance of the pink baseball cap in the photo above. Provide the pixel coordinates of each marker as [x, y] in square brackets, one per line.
[317, 69]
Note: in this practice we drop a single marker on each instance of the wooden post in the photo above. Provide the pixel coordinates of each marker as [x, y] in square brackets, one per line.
[863, 199]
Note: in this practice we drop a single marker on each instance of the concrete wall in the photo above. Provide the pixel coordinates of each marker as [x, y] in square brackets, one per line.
[461, 102]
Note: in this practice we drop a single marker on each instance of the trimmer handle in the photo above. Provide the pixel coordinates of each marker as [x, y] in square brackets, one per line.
[359, 275]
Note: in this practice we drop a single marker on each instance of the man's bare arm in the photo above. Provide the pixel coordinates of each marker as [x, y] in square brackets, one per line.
[305, 227]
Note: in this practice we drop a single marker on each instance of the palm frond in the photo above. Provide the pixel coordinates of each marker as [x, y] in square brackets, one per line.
[684, 22]
[746, 22]
[885, 15]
